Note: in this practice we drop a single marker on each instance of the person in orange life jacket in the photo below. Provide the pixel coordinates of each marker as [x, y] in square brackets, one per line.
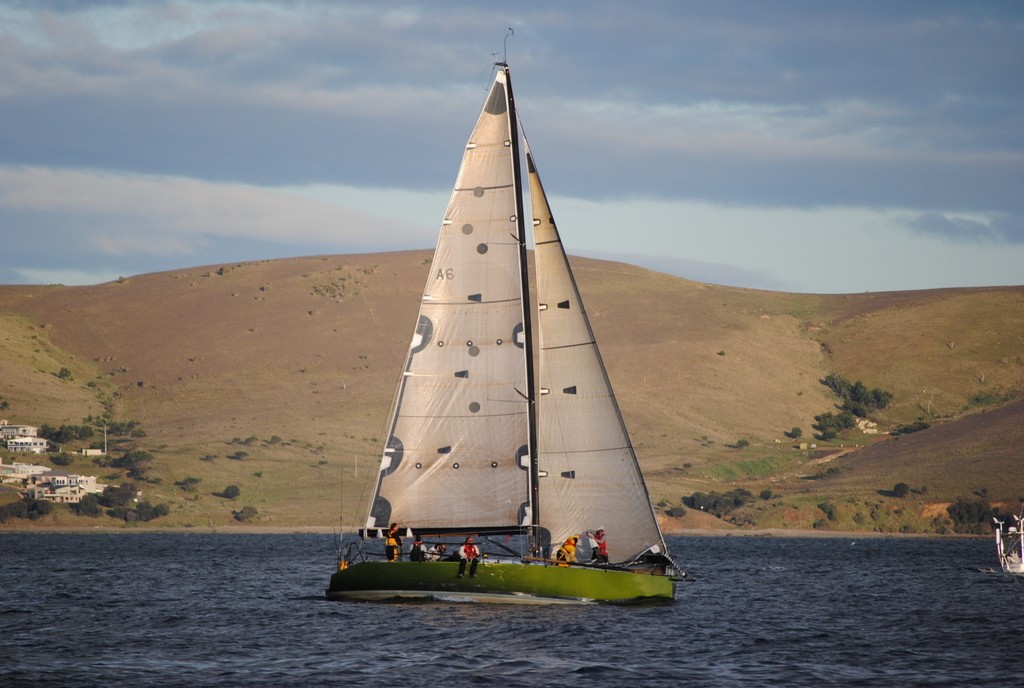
[567, 552]
[468, 552]
[419, 552]
[599, 548]
[393, 543]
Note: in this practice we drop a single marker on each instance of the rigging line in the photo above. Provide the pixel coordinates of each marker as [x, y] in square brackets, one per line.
[568, 346]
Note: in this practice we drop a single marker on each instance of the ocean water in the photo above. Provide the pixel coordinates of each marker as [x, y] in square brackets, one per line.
[248, 610]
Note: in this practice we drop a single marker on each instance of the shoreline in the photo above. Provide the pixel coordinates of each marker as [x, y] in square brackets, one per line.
[334, 530]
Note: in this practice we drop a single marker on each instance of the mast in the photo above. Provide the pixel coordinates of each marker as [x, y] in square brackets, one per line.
[531, 376]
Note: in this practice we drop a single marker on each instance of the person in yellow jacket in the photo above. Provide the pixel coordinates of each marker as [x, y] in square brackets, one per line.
[567, 552]
[393, 543]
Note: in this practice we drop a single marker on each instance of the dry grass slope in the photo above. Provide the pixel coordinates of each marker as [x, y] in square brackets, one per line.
[294, 363]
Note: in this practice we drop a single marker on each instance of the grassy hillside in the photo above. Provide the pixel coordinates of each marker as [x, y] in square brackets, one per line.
[276, 376]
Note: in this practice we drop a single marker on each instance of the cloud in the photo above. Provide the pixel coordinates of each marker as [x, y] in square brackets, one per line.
[699, 271]
[65, 277]
[122, 214]
[993, 229]
[798, 106]
[165, 131]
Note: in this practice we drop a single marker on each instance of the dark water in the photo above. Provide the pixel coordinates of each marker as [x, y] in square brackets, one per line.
[248, 610]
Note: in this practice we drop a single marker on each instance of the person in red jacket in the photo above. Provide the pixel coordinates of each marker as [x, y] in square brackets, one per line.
[468, 552]
[599, 546]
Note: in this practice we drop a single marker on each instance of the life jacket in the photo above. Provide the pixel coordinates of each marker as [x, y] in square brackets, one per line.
[567, 552]
[470, 551]
[392, 539]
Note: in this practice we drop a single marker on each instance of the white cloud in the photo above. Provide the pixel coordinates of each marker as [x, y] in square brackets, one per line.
[124, 213]
[775, 140]
[829, 249]
[65, 277]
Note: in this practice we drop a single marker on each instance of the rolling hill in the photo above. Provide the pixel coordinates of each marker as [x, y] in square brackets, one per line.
[275, 376]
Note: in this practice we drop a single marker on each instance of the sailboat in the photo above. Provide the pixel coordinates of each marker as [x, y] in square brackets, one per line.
[1010, 543]
[504, 425]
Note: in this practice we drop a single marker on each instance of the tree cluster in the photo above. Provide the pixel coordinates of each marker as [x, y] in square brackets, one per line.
[857, 398]
[114, 428]
[916, 426]
[27, 508]
[971, 516]
[719, 504]
[120, 503]
[829, 425]
[135, 462]
[66, 433]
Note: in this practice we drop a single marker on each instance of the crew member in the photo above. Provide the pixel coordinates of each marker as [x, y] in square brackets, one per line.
[567, 552]
[393, 543]
[468, 552]
[418, 552]
[599, 549]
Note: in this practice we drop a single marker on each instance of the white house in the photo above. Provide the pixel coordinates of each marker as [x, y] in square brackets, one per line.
[86, 482]
[62, 494]
[22, 470]
[7, 431]
[35, 445]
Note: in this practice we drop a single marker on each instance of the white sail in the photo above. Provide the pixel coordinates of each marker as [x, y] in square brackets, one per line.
[457, 454]
[590, 476]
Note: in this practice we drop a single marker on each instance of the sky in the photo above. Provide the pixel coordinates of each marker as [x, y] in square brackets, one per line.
[802, 146]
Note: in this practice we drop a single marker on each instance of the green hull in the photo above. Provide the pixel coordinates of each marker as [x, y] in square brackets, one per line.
[516, 583]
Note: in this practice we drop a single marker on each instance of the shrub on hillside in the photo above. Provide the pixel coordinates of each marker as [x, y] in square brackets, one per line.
[188, 484]
[118, 495]
[31, 509]
[829, 425]
[142, 512]
[60, 459]
[247, 513]
[66, 433]
[89, 506]
[916, 426]
[857, 398]
[971, 516]
[135, 462]
[718, 504]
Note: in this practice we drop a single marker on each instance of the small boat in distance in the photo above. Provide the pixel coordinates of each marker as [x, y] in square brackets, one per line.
[1010, 543]
[504, 426]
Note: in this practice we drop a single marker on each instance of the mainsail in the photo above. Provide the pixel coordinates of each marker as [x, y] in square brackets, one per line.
[459, 455]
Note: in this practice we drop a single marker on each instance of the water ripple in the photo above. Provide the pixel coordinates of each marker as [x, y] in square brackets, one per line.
[248, 610]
